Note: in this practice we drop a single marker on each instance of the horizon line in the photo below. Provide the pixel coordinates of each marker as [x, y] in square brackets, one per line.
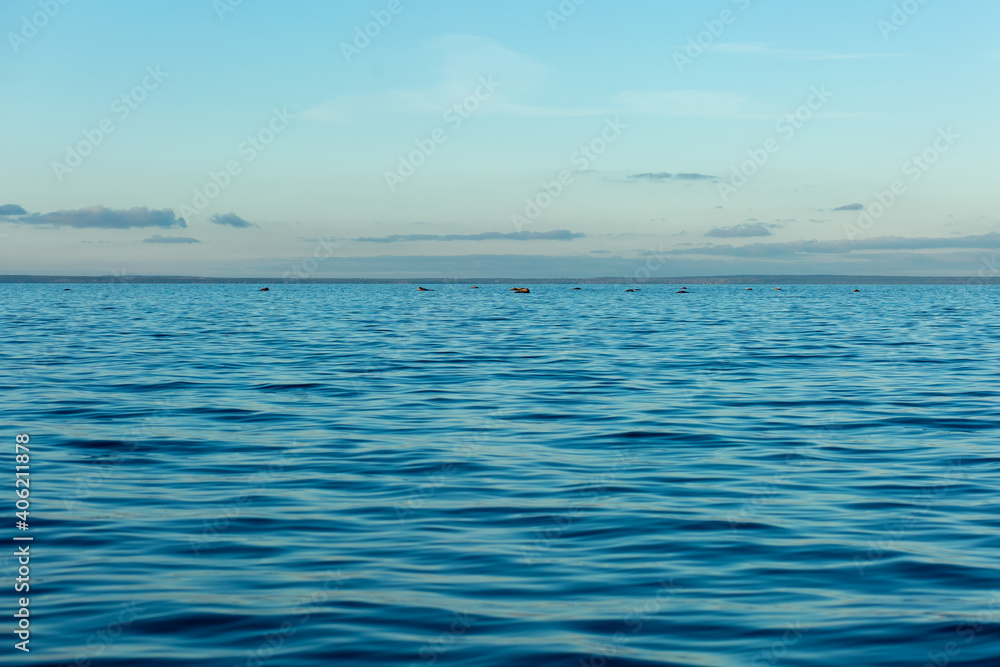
[606, 280]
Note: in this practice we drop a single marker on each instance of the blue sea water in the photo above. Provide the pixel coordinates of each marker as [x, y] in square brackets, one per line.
[368, 475]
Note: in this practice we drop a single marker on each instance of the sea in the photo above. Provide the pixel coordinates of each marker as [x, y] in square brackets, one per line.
[371, 475]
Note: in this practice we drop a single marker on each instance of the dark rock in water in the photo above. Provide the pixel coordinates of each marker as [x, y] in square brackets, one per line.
[682, 292]
[857, 290]
[630, 290]
[577, 288]
[749, 289]
[475, 287]
[67, 290]
[424, 289]
[520, 290]
[264, 289]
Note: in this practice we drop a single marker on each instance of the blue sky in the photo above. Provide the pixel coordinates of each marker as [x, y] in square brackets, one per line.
[589, 139]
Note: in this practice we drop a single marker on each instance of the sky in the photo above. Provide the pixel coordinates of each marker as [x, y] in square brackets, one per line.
[446, 139]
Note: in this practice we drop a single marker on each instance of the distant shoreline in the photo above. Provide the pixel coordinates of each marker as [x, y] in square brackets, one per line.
[696, 280]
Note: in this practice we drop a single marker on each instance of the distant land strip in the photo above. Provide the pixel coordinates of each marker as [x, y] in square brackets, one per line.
[695, 280]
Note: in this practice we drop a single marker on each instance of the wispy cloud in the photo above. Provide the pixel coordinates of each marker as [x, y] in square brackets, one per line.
[851, 207]
[535, 111]
[742, 231]
[232, 220]
[767, 50]
[11, 209]
[795, 249]
[688, 103]
[156, 238]
[105, 218]
[462, 60]
[660, 176]
[558, 235]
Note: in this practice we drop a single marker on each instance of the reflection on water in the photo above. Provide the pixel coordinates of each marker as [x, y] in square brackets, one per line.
[368, 475]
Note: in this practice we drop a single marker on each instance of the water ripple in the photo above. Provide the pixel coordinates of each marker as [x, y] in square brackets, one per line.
[366, 475]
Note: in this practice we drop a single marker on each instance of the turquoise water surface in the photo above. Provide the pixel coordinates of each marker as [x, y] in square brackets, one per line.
[367, 475]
